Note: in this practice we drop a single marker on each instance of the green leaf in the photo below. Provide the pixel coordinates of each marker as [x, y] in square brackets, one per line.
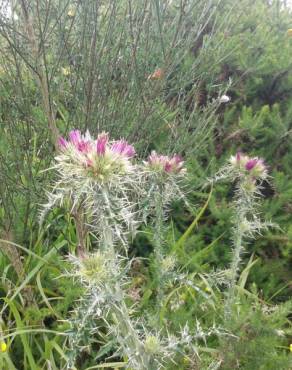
[180, 243]
[23, 336]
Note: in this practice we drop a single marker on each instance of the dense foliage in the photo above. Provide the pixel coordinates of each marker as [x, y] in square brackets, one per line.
[158, 73]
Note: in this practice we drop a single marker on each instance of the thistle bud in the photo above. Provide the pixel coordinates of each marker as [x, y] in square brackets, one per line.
[152, 344]
[168, 264]
[93, 268]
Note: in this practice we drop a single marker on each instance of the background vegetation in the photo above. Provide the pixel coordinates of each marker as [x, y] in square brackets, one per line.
[150, 71]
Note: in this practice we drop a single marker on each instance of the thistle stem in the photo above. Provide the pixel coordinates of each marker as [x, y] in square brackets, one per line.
[238, 235]
[235, 261]
[158, 249]
[127, 335]
[81, 230]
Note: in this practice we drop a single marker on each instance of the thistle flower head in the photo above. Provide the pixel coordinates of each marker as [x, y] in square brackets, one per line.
[94, 268]
[164, 177]
[165, 164]
[251, 166]
[81, 143]
[98, 159]
[249, 173]
[99, 176]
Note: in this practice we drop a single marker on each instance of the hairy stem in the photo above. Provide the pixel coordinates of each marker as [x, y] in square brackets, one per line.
[127, 335]
[81, 230]
[238, 248]
[158, 247]
[238, 235]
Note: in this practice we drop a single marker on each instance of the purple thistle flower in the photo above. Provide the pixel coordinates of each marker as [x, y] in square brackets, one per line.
[169, 165]
[119, 146]
[84, 146]
[123, 148]
[62, 143]
[78, 141]
[101, 143]
[251, 163]
[129, 151]
[177, 159]
[238, 156]
[174, 164]
[75, 137]
[156, 159]
[177, 162]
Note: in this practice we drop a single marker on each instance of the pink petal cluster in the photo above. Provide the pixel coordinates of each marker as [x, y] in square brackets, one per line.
[78, 141]
[100, 157]
[123, 148]
[62, 143]
[165, 163]
[84, 144]
[253, 165]
[101, 143]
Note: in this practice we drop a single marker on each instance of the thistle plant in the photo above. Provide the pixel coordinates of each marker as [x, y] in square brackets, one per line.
[100, 182]
[104, 189]
[248, 174]
[110, 193]
[164, 176]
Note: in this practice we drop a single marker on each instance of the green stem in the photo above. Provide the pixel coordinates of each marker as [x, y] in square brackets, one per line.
[128, 336]
[158, 248]
[237, 251]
